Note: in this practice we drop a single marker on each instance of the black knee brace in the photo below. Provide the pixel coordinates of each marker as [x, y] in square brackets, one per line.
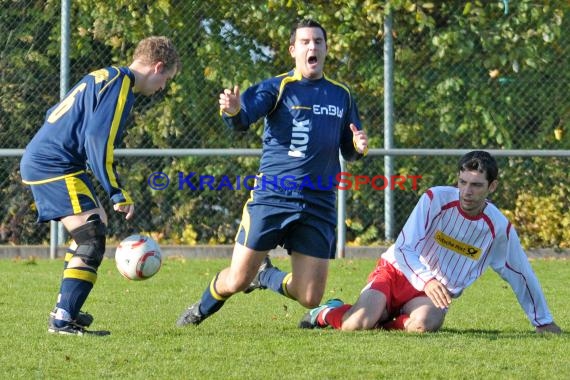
[90, 239]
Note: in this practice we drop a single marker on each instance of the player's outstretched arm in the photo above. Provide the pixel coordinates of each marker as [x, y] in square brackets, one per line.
[549, 328]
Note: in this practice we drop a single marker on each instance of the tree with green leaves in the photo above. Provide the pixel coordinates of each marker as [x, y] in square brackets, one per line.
[489, 75]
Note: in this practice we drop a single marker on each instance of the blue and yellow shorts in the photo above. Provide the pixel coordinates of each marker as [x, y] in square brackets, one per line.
[63, 196]
[300, 221]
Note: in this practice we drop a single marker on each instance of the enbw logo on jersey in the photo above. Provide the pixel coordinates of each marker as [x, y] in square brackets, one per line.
[330, 110]
[300, 133]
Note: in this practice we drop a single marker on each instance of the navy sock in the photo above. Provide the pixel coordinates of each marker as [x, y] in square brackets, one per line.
[276, 280]
[75, 288]
[211, 301]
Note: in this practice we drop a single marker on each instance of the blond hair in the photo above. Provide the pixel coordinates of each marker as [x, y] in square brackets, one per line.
[157, 49]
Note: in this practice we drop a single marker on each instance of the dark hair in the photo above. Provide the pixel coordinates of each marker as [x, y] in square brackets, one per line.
[305, 23]
[481, 161]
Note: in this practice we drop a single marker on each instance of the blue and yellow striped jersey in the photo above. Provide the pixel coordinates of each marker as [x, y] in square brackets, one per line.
[82, 130]
[306, 123]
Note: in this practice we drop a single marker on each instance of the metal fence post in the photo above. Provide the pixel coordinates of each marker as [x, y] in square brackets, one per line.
[388, 122]
[341, 216]
[57, 231]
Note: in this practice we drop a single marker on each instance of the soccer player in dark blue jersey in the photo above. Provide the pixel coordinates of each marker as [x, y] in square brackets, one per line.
[79, 134]
[308, 119]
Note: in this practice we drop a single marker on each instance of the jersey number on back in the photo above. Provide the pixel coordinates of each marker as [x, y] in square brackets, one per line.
[65, 104]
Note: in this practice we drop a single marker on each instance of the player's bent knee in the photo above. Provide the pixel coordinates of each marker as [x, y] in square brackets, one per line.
[236, 287]
[90, 239]
[307, 304]
[423, 325]
[307, 295]
[309, 300]
[235, 282]
[357, 322]
[351, 325]
[421, 328]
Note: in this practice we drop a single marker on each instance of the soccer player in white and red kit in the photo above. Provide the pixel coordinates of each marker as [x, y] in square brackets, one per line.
[451, 237]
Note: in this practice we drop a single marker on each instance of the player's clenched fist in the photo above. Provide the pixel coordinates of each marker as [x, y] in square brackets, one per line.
[229, 101]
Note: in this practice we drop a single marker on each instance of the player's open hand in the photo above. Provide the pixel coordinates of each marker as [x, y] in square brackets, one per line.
[128, 209]
[438, 294]
[359, 139]
[229, 101]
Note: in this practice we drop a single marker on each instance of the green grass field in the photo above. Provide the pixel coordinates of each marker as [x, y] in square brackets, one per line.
[486, 335]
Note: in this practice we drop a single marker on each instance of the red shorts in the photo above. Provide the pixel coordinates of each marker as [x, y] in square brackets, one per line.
[394, 285]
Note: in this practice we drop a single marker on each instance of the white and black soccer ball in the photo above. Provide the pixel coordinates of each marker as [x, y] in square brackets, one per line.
[138, 257]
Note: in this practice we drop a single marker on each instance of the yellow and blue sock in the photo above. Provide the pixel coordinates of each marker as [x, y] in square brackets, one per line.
[211, 300]
[276, 280]
[74, 290]
[69, 252]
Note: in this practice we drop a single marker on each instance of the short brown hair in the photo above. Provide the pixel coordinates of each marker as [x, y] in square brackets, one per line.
[158, 49]
[305, 23]
[481, 161]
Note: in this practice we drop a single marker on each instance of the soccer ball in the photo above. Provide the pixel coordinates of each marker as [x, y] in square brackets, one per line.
[138, 257]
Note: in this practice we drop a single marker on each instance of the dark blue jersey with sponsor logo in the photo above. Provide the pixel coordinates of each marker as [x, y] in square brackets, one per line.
[306, 123]
[83, 129]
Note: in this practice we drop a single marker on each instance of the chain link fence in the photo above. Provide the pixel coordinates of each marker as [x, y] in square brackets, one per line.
[475, 76]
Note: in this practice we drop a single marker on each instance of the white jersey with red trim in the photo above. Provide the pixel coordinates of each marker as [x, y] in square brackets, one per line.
[440, 241]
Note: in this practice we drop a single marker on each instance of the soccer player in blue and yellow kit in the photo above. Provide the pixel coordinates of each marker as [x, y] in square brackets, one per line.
[308, 119]
[79, 134]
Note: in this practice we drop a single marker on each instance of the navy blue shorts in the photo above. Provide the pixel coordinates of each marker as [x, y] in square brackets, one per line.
[300, 221]
[65, 196]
